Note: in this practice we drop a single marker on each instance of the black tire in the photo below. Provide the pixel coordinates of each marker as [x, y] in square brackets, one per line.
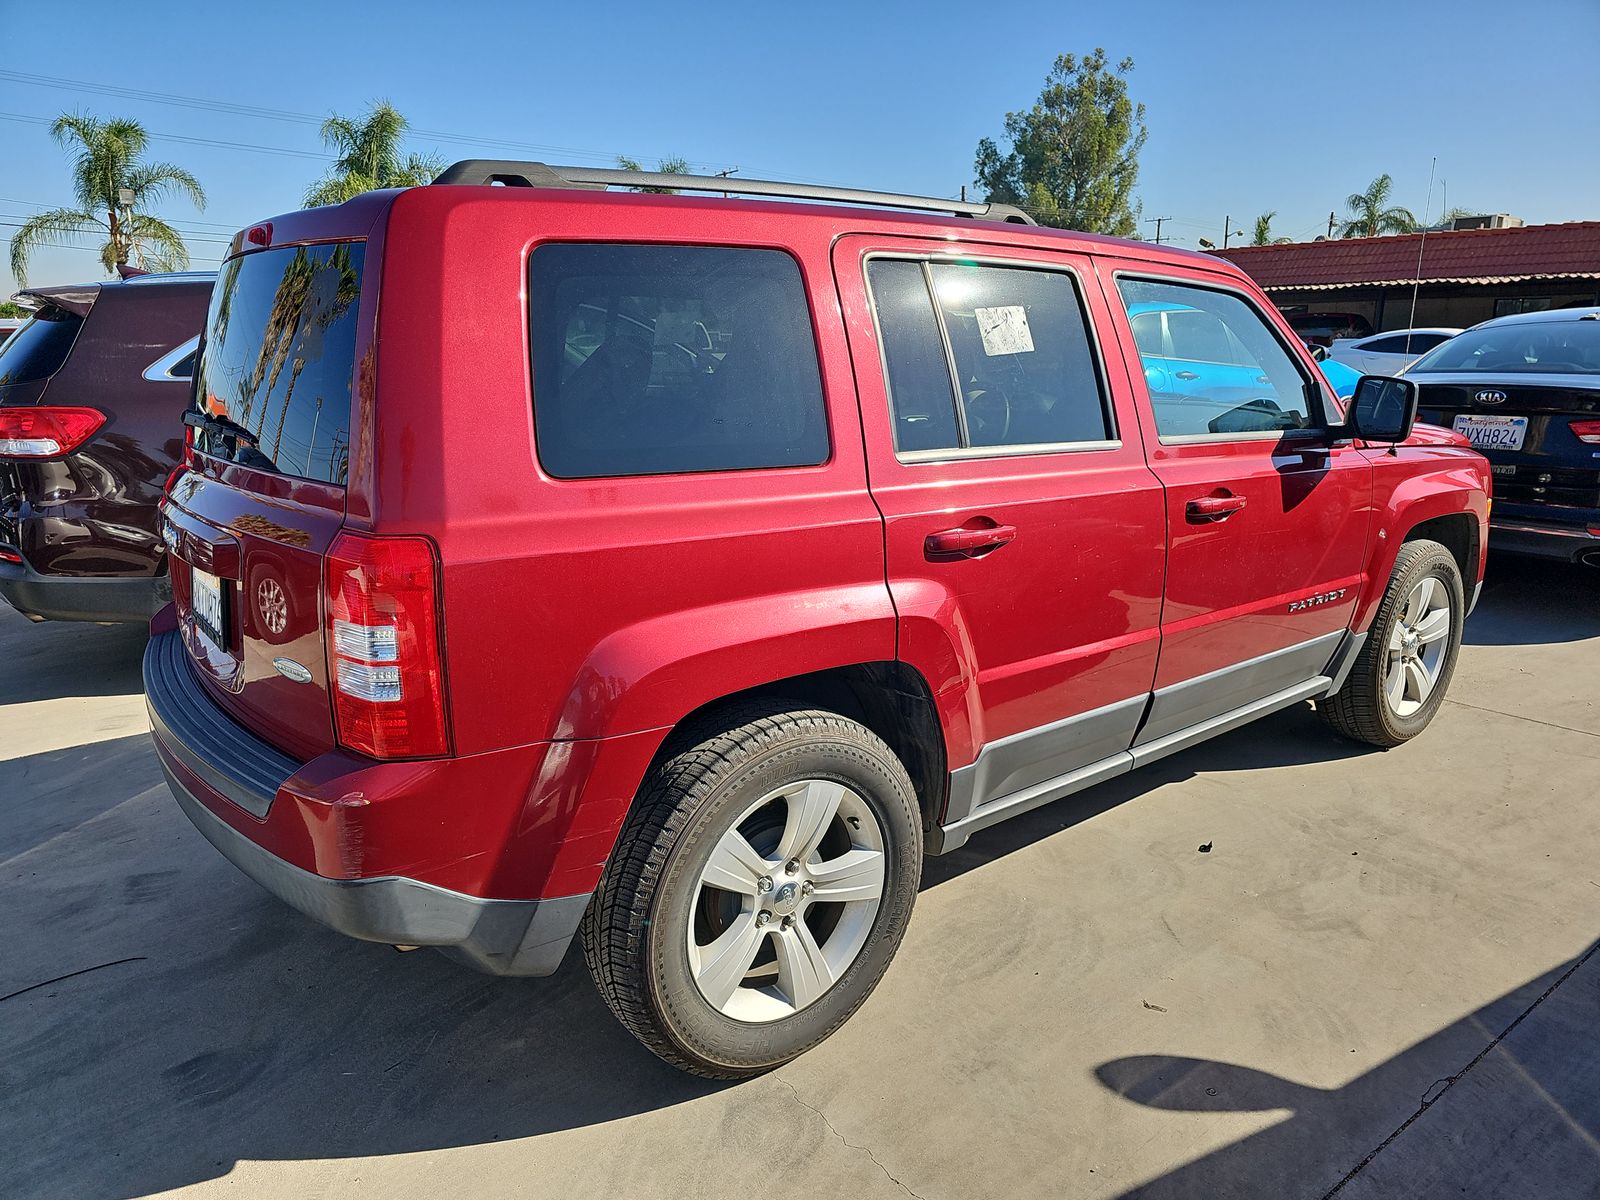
[635, 931]
[1360, 709]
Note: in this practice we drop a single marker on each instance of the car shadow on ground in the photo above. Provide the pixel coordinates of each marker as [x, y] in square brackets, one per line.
[1522, 1104]
[55, 660]
[1535, 601]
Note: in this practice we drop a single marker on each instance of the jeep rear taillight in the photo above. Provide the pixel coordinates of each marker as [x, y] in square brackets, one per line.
[1587, 432]
[385, 660]
[46, 432]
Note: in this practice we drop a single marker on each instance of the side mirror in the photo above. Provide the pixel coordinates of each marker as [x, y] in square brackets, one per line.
[1382, 409]
[1318, 353]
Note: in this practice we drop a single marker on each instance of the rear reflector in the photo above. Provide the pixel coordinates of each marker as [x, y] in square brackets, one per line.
[384, 654]
[46, 432]
[1587, 431]
[9, 556]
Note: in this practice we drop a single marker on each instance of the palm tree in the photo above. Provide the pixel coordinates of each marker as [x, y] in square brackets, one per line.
[667, 166]
[1370, 215]
[112, 186]
[369, 157]
[1263, 231]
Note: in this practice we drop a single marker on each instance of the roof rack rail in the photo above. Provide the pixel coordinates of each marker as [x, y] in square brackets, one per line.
[511, 173]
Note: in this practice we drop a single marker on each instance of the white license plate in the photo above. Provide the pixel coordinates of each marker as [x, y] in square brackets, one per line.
[1492, 433]
[206, 591]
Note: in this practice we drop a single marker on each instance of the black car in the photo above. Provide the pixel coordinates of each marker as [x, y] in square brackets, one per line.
[92, 393]
[1525, 390]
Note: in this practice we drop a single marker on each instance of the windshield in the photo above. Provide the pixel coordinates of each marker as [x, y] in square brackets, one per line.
[278, 360]
[1544, 347]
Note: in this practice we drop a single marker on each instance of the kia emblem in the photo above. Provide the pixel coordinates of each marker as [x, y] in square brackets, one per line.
[1489, 396]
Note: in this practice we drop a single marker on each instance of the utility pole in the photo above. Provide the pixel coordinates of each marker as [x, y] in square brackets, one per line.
[1158, 222]
[725, 174]
[963, 193]
[1227, 222]
[1331, 219]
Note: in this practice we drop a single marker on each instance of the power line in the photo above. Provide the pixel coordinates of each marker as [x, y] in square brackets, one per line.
[193, 141]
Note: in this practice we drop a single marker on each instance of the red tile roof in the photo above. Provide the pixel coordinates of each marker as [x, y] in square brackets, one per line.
[1569, 251]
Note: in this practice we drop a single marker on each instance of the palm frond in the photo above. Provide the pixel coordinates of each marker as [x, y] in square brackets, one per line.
[151, 181]
[154, 245]
[48, 228]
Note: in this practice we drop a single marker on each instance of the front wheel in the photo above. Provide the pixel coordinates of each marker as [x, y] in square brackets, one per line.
[1400, 676]
[758, 891]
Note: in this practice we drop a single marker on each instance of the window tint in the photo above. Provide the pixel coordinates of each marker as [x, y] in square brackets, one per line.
[37, 350]
[1225, 374]
[920, 394]
[278, 360]
[1021, 345]
[655, 360]
[1416, 343]
[183, 368]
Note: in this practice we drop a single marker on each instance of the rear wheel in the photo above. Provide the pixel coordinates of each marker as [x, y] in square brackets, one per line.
[759, 889]
[1400, 676]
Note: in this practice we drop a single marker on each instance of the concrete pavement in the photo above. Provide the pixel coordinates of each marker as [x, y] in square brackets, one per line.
[1377, 983]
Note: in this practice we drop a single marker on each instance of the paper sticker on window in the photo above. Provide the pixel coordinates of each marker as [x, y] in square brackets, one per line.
[1004, 330]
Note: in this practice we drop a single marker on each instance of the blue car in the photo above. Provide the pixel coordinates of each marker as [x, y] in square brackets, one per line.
[1204, 379]
[1525, 391]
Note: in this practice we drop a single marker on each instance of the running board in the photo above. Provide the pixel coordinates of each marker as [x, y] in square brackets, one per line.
[955, 835]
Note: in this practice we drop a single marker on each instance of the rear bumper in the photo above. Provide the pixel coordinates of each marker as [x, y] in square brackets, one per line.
[81, 598]
[212, 763]
[1547, 539]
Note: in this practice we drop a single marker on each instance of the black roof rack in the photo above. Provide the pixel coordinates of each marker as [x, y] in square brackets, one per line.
[536, 174]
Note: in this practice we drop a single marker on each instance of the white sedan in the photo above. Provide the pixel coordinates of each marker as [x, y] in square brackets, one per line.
[1388, 353]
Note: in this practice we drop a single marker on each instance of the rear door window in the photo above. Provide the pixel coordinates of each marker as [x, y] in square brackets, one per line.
[1017, 341]
[278, 360]
[38, 350]
[660, 360]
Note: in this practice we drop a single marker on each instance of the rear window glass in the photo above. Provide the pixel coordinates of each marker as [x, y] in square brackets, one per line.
[656, 360]
[37, 350]
[1547, 347]
[278, 360]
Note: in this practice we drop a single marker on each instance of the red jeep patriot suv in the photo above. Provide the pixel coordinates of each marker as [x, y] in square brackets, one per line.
[678, 571]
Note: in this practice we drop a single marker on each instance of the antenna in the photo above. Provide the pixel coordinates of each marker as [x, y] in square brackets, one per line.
[1422, 243]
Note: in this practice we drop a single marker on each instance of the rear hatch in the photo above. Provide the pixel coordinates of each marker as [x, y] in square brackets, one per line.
[1528, 397]
[249, 524]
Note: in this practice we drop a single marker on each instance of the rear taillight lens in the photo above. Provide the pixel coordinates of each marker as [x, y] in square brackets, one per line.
[384, 656]
[1587, 431]
[46, 432]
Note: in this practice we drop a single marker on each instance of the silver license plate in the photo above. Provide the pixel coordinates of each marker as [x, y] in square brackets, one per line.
[1492, 433]
[209, 610]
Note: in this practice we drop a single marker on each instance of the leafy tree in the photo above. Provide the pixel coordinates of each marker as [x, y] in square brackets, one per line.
[1074, 157]
[1371, 215]
[8, 309]
[1263, 231]
[370, 157]
[667, 166]
[113, 186]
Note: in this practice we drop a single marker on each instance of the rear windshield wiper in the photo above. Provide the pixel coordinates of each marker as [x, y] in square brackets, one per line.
[245, 450]
[213, 424]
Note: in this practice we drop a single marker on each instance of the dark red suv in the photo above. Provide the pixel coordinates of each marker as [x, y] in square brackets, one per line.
[91, 392]
[682, 570]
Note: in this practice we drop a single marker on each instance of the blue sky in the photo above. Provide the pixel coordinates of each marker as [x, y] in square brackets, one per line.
[1251, 105]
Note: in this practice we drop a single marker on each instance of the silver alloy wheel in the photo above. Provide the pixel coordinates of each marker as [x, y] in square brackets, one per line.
[1417, 647]
[779, 915]
[273, 605]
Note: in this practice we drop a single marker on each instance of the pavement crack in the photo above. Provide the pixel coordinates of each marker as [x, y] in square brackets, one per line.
[33, 987]
[867, 1150]
[1435, 1092]
[1519, 717]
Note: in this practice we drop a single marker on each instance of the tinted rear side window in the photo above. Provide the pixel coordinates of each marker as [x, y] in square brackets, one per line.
[657, 360]
[37, 350]
[278, 360]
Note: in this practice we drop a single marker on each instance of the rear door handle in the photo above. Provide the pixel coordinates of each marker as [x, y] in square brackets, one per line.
[969, 541]
[1185, 375]
[1204, 509]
